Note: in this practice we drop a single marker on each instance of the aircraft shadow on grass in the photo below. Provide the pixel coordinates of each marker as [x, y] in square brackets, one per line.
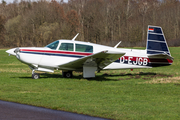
[107, 76]
[129, 76]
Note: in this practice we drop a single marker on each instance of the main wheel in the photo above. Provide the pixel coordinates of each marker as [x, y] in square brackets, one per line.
[67, 74]
[35, 76]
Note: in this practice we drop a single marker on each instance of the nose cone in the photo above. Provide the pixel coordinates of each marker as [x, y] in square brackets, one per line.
[11, 51]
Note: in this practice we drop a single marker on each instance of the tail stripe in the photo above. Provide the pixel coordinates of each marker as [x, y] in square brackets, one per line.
[156, 41]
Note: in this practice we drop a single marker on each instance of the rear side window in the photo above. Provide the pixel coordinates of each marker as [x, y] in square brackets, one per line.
[66, 47]
[84, 48]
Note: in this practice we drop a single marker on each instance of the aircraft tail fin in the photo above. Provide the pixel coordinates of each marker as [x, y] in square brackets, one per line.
[156, 42]
[157, 48]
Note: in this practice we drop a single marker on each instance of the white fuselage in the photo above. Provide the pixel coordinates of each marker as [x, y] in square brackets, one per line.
[71, 55]
[51, 59]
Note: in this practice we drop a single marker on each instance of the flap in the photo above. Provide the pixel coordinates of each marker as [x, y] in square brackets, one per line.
[99, 60]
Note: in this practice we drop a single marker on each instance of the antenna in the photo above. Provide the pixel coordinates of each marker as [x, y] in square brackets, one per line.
[117, 45]
[75, 37]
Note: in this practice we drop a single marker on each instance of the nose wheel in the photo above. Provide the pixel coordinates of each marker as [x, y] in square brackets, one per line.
[35, 75]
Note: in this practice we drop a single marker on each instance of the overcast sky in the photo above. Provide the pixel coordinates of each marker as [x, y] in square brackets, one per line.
[11, 1]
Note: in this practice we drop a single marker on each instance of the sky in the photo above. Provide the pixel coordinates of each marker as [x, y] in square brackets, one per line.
[11, 1]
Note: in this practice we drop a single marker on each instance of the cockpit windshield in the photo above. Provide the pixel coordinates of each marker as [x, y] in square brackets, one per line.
[53, 45]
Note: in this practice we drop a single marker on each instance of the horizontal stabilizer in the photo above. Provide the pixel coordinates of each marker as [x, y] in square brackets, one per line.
[161, 56]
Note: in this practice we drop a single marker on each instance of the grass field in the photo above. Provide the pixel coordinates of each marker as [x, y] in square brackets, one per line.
[117, 94]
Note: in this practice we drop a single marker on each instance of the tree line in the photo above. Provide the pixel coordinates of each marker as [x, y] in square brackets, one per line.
[107, 22]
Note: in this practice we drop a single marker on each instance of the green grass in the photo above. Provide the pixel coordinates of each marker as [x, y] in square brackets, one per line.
[115, 94]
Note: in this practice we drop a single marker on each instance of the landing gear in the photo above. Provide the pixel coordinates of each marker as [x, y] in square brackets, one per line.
[67, 74]
[35, 75]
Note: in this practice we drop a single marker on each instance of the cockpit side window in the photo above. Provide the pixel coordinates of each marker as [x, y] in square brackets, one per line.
[67, 47]
[84, 48]
[53, 45]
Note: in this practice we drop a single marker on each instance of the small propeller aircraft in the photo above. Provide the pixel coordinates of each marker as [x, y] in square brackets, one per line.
[71, 55]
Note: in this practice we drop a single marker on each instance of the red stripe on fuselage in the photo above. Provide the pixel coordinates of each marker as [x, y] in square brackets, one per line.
[60, 52]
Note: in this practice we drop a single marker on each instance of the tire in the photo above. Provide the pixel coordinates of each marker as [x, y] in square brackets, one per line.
[67, 74]
[35, 76]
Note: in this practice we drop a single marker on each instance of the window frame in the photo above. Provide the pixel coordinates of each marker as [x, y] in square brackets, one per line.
[85, 50]
[67, 49]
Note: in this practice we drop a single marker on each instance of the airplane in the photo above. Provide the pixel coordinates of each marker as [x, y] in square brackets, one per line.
[72, 55]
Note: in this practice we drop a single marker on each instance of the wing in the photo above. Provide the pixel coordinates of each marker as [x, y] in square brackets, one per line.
[99, 60]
